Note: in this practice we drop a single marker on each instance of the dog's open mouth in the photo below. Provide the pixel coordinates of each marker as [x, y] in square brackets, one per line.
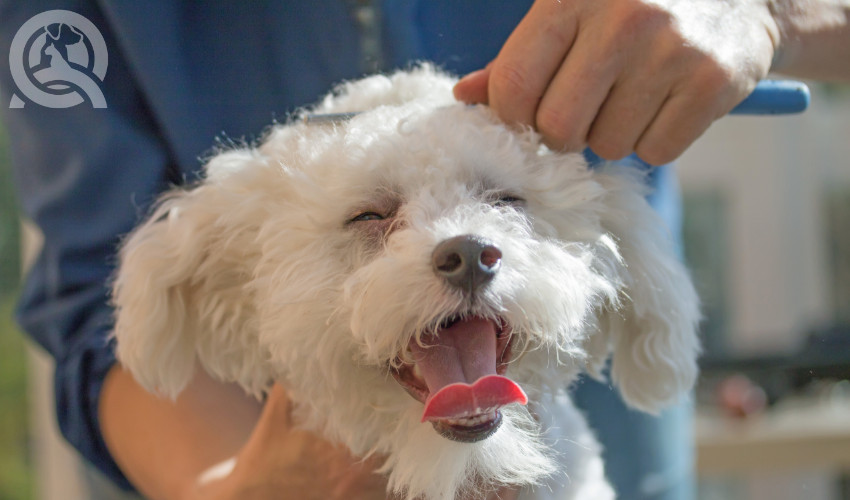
[458, 373]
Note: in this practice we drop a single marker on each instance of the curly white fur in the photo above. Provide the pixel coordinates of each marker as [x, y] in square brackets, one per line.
[255, 274]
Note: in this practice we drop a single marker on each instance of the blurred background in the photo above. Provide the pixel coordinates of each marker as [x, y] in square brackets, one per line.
[767, 235]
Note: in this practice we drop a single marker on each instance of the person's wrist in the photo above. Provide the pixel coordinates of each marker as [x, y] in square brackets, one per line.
[777, 26]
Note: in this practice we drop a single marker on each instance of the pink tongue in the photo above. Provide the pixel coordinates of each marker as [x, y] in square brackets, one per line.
[459, 367]
[464, 400]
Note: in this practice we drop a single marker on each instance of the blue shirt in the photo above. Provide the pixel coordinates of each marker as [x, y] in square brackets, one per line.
[181, 75]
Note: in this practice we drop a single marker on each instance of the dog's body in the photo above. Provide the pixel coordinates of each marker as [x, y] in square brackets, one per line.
[333, 258]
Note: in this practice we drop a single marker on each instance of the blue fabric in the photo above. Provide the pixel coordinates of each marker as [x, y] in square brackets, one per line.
[181, 75]
[646, 457]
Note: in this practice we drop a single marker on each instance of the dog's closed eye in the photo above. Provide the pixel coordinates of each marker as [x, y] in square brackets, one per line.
[508, 200]
[373, 224]
[366, 216]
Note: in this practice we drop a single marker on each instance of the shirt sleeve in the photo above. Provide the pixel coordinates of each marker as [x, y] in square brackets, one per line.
[84, 176]
[87, 176]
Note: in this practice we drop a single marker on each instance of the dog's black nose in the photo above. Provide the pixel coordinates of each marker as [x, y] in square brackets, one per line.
[467, 261]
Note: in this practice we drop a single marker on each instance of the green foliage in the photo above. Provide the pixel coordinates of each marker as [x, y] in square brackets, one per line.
[705, 231]
[16, 474]
[9, 227]
[17, 477]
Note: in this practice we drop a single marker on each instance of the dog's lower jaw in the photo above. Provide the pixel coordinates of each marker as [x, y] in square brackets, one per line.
[470, 433]
[456, 423]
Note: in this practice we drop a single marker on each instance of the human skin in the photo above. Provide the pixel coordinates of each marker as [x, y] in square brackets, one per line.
[650, 77]
[164, 446]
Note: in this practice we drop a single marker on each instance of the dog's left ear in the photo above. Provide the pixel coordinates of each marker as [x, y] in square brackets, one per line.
[652, 332]
[182, 291]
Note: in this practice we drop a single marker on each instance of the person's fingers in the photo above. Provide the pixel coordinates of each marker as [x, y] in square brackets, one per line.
[576, 93]
[277, 411]
[641, 90]
[529, 59]
[472, 88]
[625, 115]
[273, 439]
[672, 131]
[360, 476]
[694, 103]
[614, 43]
[620, 75]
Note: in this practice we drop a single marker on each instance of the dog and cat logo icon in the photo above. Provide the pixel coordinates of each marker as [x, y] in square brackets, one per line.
[58, 59]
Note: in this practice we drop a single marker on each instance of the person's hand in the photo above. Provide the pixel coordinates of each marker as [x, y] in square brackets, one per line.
[647, 76]
[280, 461]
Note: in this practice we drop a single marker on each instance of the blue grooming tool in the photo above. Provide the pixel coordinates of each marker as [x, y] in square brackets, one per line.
[775, 97]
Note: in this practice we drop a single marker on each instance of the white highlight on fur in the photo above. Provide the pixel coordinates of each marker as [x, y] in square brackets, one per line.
[256, 274]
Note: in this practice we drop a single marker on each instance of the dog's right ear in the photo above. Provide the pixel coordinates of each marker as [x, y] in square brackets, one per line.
[181, 290]
[652, 331]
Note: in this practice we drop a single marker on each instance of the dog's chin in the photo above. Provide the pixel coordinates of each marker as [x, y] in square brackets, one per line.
[468, 426]
[481, 427]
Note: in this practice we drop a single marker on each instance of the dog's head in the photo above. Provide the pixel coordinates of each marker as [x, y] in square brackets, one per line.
[412, 275]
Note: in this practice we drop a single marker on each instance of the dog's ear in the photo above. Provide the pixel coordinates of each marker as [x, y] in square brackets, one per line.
[652, 331]
[182, 290]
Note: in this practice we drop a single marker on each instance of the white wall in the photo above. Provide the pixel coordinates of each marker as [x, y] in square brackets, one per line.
[772, 170]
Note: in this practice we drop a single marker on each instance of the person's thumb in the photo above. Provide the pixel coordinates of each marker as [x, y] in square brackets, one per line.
[276, 419]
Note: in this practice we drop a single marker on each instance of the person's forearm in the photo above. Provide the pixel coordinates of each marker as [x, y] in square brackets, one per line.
[162, 445]
[814, 38]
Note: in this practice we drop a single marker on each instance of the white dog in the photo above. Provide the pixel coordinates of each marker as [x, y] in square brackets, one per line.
[425, 281]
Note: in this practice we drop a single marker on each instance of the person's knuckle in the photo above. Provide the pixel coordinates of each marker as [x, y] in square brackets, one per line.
[712, 77]
[557, 35]
[608, 146]
[657, 152]
[711, 88]
[510, 80]
[557, 125]
[643, 18]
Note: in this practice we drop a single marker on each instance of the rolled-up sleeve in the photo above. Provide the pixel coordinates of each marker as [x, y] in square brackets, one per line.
[83, 176]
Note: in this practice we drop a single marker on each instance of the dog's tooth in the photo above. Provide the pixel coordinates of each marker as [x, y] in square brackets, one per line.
[417, 372]
[471, 420]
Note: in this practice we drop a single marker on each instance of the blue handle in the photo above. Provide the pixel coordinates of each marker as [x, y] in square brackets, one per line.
[775, 97]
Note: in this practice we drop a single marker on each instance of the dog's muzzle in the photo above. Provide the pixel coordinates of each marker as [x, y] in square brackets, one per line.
[457, 367]
[467, 262]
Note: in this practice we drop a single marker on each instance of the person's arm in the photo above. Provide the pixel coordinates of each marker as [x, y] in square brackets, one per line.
[83, 176]
[86, 177]
[650, 76]
[814, 39]
[163, 446]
